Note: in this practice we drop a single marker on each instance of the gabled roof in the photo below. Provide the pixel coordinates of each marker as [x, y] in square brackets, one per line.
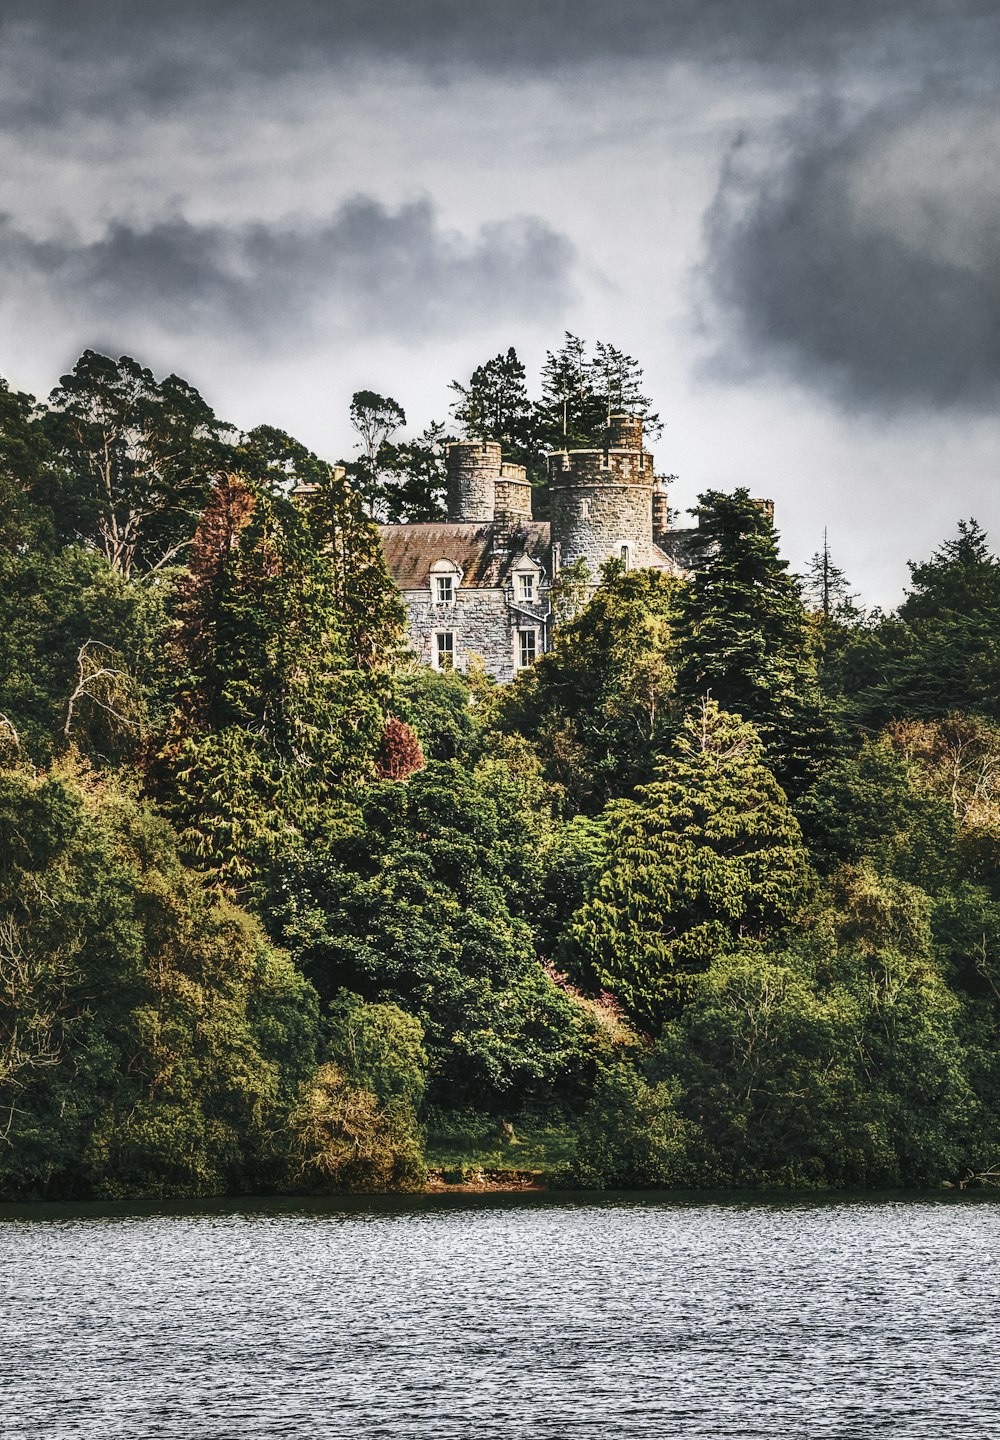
[485, 553]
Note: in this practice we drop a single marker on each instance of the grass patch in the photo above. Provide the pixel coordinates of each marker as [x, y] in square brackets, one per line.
[537, 1147]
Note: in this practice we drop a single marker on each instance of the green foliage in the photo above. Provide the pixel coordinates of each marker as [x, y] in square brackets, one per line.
[495, 405]
[151, 1041]
[135, 454]
[599, 706]
[438, 704]
[871, 806]
[57, 610]
[412, 478]
[630, 1136]
[581, 392]
[341, 1139]
[283, 689]
[707, 855]
[425, 906]
[940, 652]
[744, 638]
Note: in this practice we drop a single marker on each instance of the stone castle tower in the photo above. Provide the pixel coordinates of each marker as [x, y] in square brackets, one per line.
[606, 503]
[477, 586]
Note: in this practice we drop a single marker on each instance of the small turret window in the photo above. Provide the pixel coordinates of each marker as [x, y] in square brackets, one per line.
[526, 588]
[625, 556]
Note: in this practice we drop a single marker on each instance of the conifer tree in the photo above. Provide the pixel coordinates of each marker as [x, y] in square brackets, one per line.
[495, 405]
[571, 410]
[288, 621]
[707, 856]
[826, 585]
[744, 635]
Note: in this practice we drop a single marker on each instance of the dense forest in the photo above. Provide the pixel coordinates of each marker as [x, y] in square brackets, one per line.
[710, 897]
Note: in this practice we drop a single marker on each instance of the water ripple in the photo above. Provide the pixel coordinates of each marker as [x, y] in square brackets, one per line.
[599, 1319]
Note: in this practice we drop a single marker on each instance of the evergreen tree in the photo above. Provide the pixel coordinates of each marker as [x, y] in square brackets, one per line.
[826, 585]
[495, 405]
[571, 411]
[707, 856]
[618, 381]
[744, 637]
[284, 689]
[940, 652]
[413, 477]
[600, 704]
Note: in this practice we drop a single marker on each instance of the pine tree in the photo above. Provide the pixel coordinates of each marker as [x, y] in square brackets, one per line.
[618, 381]
[826, 585]
[744, 635]
[495, 405]
[707, 857]
[571, 410]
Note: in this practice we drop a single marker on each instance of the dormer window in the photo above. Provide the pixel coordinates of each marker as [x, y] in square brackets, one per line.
[445, 578]
[526, 588]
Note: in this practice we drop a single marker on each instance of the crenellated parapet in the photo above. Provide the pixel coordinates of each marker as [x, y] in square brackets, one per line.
[512, 493]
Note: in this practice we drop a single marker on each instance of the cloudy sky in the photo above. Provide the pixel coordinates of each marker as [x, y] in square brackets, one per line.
[788, 210]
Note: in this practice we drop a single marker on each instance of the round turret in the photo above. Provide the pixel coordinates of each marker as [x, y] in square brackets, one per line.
[601, 503]
[513, 494]
[473, 471]
[625, 432]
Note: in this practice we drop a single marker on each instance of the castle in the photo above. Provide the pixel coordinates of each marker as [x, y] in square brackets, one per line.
[478, 583]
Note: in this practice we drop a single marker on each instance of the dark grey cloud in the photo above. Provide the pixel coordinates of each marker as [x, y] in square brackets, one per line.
[156, 53]
[866, 262]
[367, 269]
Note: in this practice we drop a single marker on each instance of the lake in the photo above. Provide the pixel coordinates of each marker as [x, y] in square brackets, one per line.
[502, 1316]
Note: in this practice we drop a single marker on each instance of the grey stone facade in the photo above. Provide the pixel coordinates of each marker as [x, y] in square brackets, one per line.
[477, 585]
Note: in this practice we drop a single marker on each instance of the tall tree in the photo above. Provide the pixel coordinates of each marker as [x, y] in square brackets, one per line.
[601, 704]
[571, 409]
[374, 418]
[618, 381]
[706, 857]
[744, 636]
[137, 454]
[284, 689]
[495, 405]
[826, 585]
[413, 477]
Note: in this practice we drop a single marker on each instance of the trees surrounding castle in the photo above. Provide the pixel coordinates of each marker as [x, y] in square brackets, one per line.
[711, 893]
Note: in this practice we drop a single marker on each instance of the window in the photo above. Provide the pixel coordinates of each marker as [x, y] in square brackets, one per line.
[444, 650]
[625, 556]
[444, 589]
[527, 648]
[526, 588]
[584, 509]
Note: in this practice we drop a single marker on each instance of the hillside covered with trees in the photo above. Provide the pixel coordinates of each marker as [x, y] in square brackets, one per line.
[710, 897]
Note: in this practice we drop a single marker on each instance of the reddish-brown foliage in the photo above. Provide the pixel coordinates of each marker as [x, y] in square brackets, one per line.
[400, 753]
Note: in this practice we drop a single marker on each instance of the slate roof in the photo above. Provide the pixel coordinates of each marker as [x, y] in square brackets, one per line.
[485, 553]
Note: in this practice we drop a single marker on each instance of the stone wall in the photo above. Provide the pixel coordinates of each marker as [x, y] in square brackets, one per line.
[483, 621]
[512, 494]
[474, 468]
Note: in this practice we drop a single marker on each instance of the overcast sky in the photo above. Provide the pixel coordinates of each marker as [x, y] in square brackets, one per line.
[787, 211]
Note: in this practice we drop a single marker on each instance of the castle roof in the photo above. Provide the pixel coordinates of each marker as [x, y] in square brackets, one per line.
[486, 552]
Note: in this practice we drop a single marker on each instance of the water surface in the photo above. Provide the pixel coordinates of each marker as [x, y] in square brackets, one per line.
[494, 1317]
